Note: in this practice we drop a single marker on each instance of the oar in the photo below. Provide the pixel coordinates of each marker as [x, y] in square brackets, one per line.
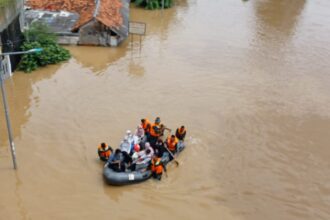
[165, 173]
[177, 163]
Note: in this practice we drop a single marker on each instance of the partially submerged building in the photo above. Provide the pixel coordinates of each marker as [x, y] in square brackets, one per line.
[11, 37]
[83, 22]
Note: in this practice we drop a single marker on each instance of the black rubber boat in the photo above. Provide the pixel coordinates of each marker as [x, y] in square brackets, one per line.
[130, 177]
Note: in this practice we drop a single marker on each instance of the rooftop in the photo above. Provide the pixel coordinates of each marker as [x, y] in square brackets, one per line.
[108, 12]
[58, 22]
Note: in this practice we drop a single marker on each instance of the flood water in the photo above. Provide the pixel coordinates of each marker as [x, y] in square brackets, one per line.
[250, 81]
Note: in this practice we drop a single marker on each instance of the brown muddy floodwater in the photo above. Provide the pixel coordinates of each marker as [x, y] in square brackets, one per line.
[250, 80]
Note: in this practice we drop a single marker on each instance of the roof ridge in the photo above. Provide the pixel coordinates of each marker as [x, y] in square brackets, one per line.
[97, 8]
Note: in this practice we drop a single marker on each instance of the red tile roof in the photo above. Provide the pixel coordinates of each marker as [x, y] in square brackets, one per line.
[108, 11]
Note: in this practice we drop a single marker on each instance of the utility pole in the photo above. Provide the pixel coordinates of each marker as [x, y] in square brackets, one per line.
[5, 105]
[4, 100]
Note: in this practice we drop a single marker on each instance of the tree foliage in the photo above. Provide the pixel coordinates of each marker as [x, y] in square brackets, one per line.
[154, 4]
[39, 36]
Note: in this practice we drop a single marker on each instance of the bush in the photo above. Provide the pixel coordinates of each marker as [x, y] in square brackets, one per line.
[38, 36]
[154, 4]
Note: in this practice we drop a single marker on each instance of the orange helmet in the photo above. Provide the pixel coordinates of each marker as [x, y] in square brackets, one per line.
[136, 148]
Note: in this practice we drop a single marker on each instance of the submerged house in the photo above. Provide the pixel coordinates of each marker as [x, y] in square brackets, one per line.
[88, 22]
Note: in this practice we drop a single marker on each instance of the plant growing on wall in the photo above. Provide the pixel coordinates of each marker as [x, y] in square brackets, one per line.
[154, 4]
[39, 36]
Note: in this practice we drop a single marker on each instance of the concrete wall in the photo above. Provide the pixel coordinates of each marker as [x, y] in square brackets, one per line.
[12, 39]
[68, 40]
[95, 33]
[9, 10]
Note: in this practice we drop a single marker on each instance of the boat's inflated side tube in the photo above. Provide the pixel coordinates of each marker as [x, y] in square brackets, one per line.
[124, 178]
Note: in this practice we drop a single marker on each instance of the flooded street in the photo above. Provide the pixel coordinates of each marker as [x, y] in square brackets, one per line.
[250, 81]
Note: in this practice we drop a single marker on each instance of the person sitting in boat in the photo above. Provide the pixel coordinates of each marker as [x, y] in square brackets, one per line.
[145, 123]
[144, 158]
[136, 151]
[148, 146]
[116, 161]
[157, 168]
[181, 133]
[172, 144]
[127, 160]
[104, 151]
[135, 157]
[159, 147]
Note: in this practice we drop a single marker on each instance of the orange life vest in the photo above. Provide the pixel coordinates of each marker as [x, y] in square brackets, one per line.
[153, 131]
[181, 132]
[156, 166]
[104, 152]
[172, 144]
[146, 125]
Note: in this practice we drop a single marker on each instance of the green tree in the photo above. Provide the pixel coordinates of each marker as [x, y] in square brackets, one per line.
[154, 4]
[39, 36]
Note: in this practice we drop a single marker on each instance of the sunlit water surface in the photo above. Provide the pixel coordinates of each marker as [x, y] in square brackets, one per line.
[249, 80]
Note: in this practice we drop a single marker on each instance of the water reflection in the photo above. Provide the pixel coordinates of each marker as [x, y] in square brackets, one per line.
[277, 18]
[159, 22]
[98, 58]
[20, 203]
[20, 89]
[275, 24]
[135, 68]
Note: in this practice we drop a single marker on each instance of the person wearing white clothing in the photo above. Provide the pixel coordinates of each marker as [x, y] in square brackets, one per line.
[125, 146]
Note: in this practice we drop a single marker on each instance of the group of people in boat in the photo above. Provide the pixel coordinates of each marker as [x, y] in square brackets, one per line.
[144, 149]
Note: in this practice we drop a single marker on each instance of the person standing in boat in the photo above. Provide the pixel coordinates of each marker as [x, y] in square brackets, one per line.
[172, 145]
[130, 138]
[125, 145]
[139, 136]
[156, 130]
[181, 133]
[145, 123]
[157, 168]
[139, 131]
[104, 151]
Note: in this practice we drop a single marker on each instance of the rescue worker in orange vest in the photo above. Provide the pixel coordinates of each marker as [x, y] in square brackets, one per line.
[172, 145]
[145, 123]
[155, 131]
[181, 133]
[104, 151]
[157, 168]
